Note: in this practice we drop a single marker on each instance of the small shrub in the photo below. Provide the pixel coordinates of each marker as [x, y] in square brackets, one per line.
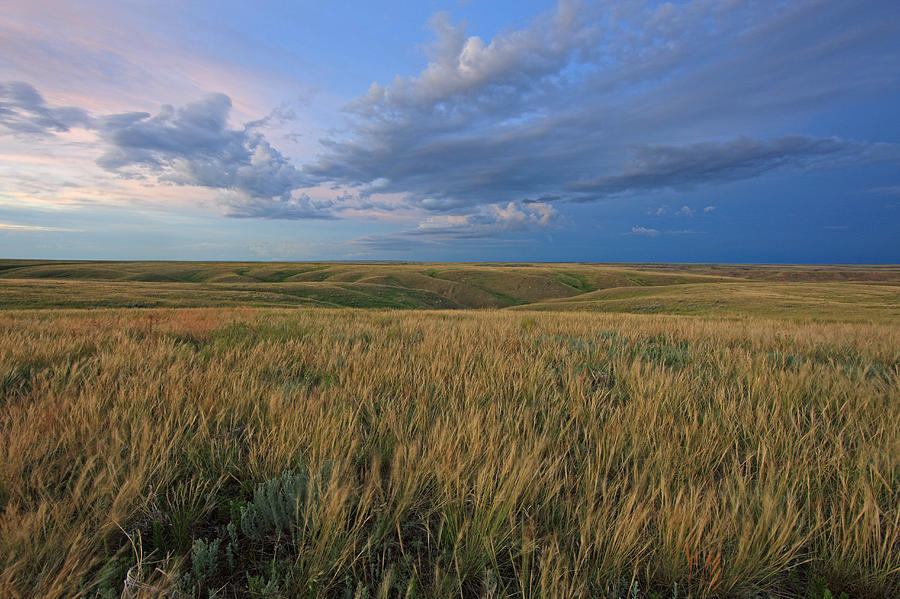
[204, 559]
[818, 589]
[278, 506]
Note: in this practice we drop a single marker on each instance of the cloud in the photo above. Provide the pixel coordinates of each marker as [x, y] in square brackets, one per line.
[441, 138]
[682, 167]
[194, 145]
[189, 145]
[239, 204]
[488, 220]
[14, 227]
[646, 231]
[486, 224]
[23, 110]
[588, 101]
[708, 209]
[649, 232]
[685, 211]
[549, 109]
[464, 66]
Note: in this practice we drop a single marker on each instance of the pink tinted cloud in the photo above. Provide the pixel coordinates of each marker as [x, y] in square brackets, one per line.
[104, 58]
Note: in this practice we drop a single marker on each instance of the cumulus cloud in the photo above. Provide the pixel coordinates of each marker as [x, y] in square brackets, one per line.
[645, 231]
[194, 145]
[485, 223]
[23, 110]
[708, 209]
[442, 138]
[488, 220]
[463, 66]
[685, 211]
[549, 109]
[188, 145]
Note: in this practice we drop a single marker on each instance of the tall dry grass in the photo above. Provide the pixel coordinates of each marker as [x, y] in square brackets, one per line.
[480, 454]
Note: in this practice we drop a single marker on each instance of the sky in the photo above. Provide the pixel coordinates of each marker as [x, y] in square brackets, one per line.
[689, 131]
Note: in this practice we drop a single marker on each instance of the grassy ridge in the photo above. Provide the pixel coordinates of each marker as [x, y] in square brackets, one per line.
[326, 453]
[838, 293]
[838, 301]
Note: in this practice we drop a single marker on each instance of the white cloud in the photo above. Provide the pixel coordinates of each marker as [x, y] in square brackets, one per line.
[646, 231]
[488, 220]
[486, 223]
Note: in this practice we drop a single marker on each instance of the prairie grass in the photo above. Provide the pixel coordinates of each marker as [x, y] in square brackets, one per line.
[801, 292]
[348, 453]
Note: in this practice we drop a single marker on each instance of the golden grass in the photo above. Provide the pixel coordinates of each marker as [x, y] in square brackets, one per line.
[456, 454]
[835, 301]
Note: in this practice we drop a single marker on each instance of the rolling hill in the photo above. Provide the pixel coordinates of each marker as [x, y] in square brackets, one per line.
[830, 292]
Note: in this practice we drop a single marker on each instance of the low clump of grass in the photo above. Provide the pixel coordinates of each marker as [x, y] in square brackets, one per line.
[318, 453]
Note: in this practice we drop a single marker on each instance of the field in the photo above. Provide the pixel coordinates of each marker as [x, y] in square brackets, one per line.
[861, 293]
[609, 431]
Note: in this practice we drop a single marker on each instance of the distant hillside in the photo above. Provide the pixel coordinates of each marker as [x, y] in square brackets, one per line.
[851, 292]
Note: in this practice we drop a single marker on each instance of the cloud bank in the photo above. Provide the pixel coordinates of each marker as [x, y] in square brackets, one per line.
[681, 167]
[547, 111]
[189, 145]
[588, 102]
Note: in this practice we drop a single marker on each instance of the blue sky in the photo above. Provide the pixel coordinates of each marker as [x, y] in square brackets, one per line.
[703, 130]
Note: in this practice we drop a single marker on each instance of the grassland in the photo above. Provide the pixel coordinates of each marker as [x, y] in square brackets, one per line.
[797, 292]
[264, 446]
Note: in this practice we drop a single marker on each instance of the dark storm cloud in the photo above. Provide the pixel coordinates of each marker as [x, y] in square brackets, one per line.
[550, 109]
[23, 110]
[659, 167]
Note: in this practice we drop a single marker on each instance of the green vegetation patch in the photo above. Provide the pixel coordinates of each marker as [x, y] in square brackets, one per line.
[576, 280]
